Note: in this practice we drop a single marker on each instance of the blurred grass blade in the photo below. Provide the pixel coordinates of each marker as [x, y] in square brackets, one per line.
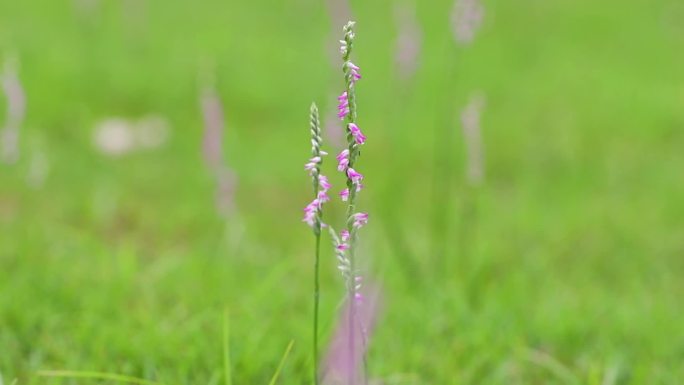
[96, 376]
[227, 375]
[282, 362]
[554, 366]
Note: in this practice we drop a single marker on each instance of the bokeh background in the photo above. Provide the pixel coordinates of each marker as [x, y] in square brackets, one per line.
[125, 234]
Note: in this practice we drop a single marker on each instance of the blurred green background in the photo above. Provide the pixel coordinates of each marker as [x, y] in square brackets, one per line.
[564, 267]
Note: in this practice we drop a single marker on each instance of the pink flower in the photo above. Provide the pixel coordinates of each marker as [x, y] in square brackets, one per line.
[360, 219]
[355, 177]
[344, 235]
[354, 71]
[312, 164]
[312, 209]
[344, 194]
[324, 183]
[342, 247]
[409, 41]
[343, 160]
[343, 105]
[342, 165]
[466, 19]
[359, 137]
[310, 212]
[344, 360]
[343, 154]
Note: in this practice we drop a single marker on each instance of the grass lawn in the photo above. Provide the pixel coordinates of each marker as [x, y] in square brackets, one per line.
[564, 267]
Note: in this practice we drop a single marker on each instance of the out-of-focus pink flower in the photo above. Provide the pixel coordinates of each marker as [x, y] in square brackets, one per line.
[409, 37]
[213, 118]
[470, 120]
[16, 110]
[466, 19]
[214, 123]
[355, 131]
[343, 361]
[340, 12]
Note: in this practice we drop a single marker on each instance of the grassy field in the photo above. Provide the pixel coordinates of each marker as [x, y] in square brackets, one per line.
[567, 270]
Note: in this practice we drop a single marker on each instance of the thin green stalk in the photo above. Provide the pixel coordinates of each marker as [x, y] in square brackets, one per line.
[317, 294]
[352, 186]
[318, 182]
[227, 376]
[281, 364]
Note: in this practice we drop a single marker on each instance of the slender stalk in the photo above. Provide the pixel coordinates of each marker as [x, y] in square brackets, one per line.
[227, 366]
[352, 186]
[314, 216]
[317, 294]
[345, 245]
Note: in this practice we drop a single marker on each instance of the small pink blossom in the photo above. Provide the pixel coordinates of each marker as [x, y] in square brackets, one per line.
[342, 247]
[354, 71]
[360, 219]
[344, 235]
[342, 165]
[355, 131]
[324, 183]
[344, 194]
[310, 212]
[343, 105]
[355, 176]
[312, 164]
[343, 160]
[343, 154]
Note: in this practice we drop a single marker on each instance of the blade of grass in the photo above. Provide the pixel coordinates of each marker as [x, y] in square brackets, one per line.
[96, 376]
[226, 349]
[281, 364]
[554, 366]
